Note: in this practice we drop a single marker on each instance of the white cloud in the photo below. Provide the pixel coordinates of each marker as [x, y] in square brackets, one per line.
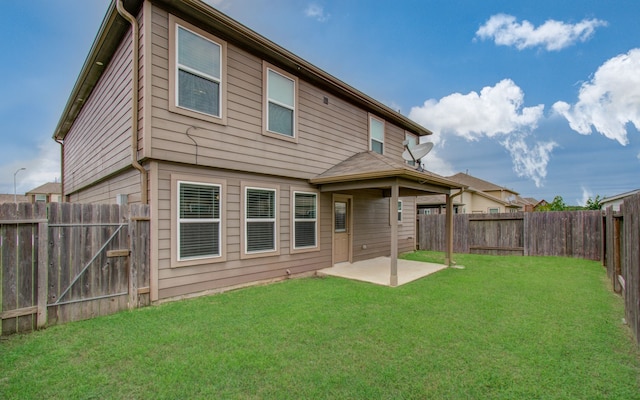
[529, 162]
[609, 101]
[552, 35]
[45, 167]
[586, 195]
[317, 12]
[497, 112]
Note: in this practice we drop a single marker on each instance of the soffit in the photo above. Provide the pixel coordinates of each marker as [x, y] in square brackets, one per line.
[111, 32]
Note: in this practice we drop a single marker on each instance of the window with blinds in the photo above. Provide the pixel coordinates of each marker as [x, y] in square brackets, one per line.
[305, 220]
[199, 70]
[198, 220]
[260, 220]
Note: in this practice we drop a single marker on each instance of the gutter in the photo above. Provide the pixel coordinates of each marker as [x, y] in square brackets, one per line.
[135, 83]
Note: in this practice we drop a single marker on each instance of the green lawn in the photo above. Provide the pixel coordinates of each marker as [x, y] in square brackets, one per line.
[502, 327]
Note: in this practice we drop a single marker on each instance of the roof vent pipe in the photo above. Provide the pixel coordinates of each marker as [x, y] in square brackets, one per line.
[135, 76]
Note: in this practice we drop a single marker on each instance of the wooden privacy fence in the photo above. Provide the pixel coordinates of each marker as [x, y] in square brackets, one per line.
[62, 262]
[622, 257]
[570, 234]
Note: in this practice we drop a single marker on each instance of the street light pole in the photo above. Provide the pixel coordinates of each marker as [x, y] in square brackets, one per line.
[15, 193]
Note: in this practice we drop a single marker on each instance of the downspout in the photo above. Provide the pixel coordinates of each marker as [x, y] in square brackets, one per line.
[448, 258]
[135, 77]
[62, 196]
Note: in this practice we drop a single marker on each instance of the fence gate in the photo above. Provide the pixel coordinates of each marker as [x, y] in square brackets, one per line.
[82, 261]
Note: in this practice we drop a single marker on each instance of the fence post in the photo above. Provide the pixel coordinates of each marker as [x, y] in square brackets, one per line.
[43, 273]
[525, 233]
[133, 259]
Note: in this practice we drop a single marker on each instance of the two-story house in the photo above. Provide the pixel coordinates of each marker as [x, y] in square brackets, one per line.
[256, 164]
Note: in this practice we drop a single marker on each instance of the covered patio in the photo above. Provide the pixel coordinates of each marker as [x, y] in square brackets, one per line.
[370, 170]
[376, 270]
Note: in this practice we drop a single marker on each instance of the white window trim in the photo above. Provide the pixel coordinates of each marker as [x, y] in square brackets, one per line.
[174, 23]
[276, 220]
[373, 117]
[295, 249]
[266, 67]
[400, 211]
[175, 203]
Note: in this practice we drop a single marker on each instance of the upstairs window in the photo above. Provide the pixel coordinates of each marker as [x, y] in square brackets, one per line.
[412, 141]
[260, 220]
[305, 220]
[199, 73]
[280, 103]
[199, 223]
[376, 135]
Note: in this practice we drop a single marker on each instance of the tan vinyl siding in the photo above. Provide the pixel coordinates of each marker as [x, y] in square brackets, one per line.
[185, 280]
[328, 133]
[99, 142]
[126, 182]
[372, 229]
[407, 229]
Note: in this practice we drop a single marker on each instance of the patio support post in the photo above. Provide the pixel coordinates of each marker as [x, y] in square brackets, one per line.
[449, 231]
[393, 221]
[448, 256]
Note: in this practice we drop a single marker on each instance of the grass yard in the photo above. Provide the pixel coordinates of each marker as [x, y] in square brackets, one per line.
[503, 327]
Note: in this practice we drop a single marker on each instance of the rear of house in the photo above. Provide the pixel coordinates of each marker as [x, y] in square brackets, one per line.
[256, 164]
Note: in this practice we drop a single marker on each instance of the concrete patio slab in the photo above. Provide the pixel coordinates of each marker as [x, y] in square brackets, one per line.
[378, 270]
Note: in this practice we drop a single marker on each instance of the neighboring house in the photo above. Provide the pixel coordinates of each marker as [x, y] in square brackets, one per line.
[480, 197]
[528, 204]
[540, 204]
[616, 201]
[437, 204]
[10, 198]
[256, 164]
[48, 193]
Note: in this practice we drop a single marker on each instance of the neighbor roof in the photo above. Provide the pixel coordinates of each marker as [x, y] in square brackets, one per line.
[114, 28]
[619, 196]
[477, 183]
[47, 188]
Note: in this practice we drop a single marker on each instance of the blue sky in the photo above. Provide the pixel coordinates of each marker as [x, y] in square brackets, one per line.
[542, 97]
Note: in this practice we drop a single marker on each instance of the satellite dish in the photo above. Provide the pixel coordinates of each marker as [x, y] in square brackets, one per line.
[416, 152]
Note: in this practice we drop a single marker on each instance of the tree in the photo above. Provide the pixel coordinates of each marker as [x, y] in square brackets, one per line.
[594, 204]
[556, 205]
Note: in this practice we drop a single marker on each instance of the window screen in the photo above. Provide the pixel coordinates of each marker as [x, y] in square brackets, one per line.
[281, 98]
[376, 132]
[199, 73]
